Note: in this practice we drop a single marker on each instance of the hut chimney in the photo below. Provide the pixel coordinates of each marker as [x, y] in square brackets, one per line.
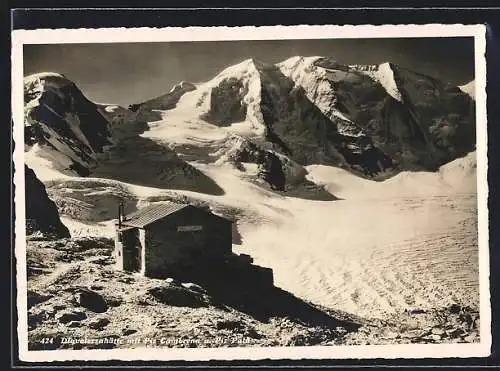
[124, 217]
[120, 214]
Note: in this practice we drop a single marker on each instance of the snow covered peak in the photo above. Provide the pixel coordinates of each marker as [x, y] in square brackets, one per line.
[38, 82]
[43, 75]
[324, 66]
[381, 73]
[292, 66]
[352, 114]
[241, 69]
[384, 75]
[469, 88]
[237, 87]
[35, 84]
[61, 124]
[248, 67]
[298, 60]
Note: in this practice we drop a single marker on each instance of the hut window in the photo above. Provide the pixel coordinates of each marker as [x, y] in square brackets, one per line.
[189, 228]
[119, 238]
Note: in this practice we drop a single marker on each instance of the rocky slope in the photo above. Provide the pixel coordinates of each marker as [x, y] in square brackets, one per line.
[77, 300]
[41, 212]
[74, 293]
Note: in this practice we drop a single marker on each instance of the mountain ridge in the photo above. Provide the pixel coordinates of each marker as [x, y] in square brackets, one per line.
[374, 120]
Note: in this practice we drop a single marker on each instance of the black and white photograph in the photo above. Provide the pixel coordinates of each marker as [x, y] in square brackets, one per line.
[267, 192]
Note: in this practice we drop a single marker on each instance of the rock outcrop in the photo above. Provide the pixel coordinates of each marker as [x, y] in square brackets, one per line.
[41, 211]
[273, 169]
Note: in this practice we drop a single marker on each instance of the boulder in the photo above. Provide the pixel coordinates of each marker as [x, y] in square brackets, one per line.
[128, 331]
[229, 325]
[67, 316]
[252, 333]
[437, 331]
[91, 300]
[413, 311]
[99, 323]
[113, 301]
[454, 308]
[35, 298]
[74, 324]
[471, 338]
[454, 332]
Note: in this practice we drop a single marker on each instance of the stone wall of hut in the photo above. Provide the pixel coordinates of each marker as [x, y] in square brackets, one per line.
[190, 237]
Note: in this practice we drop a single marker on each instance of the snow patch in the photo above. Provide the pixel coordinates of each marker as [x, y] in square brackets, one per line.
[74, 124]
[42, 75]
[469, 88]
[112, 109]
[384, 75]
[38, 83]
[47, 163]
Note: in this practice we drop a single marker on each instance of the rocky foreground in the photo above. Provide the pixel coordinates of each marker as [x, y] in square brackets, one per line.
[77, 300]
[451, 324]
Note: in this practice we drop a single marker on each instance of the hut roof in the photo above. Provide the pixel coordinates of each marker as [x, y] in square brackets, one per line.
[152, 213]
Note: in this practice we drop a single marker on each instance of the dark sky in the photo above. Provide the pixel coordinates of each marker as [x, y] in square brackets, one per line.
[125, 73]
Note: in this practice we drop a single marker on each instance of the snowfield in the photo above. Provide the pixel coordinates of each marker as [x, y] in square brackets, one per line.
[409, 243]
[370, 257]
[385, 247]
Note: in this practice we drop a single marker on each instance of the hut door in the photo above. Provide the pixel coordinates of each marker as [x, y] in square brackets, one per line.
[132, 252]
